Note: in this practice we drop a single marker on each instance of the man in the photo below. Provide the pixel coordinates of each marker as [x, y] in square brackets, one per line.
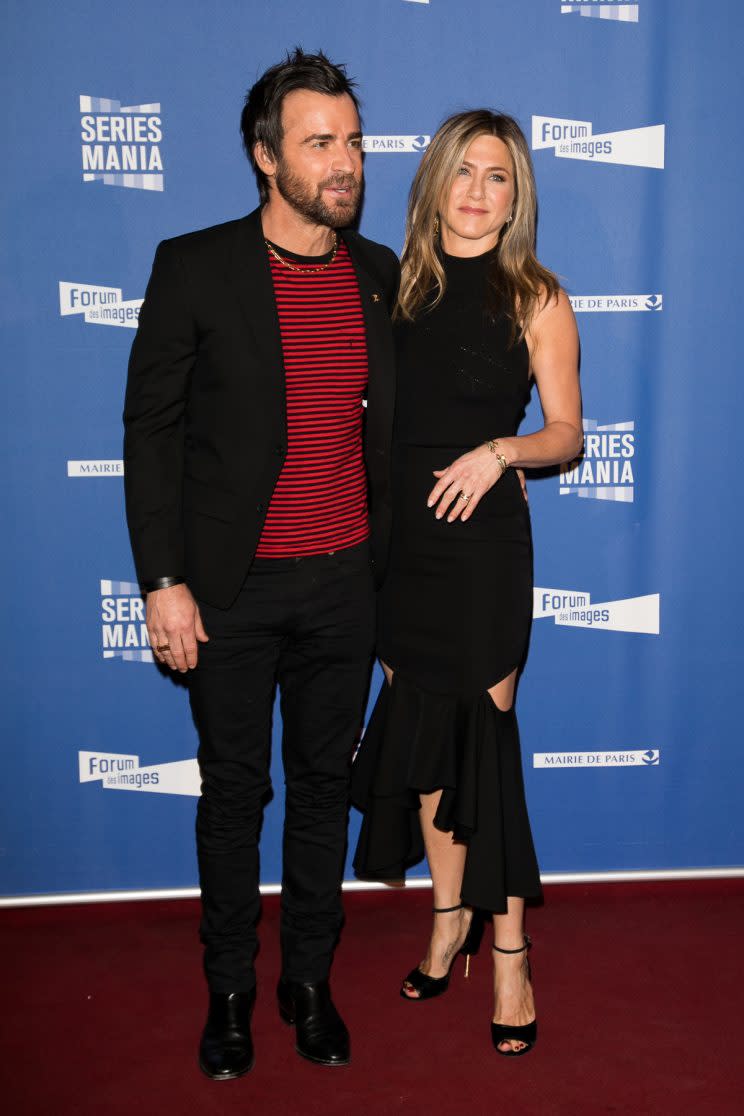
[251, 491]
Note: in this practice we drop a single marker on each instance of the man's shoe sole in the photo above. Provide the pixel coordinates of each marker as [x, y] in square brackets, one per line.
[226, 1076]
[322, 1061]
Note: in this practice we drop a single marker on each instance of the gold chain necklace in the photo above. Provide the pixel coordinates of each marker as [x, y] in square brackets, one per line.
[303, 267]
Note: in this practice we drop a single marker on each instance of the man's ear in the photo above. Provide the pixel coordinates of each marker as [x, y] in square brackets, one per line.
[264, 161]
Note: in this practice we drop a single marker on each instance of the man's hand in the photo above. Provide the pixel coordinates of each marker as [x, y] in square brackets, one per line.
[174, 626]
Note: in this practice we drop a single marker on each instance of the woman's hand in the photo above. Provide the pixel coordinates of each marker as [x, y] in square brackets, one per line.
[462, 484]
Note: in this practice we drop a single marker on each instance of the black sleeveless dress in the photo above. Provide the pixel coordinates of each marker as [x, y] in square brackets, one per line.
[454, 611]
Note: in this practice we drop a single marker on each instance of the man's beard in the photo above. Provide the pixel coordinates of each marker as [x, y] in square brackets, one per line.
[309, 202]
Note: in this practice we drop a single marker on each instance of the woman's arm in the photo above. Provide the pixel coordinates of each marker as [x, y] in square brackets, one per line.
[553, 343]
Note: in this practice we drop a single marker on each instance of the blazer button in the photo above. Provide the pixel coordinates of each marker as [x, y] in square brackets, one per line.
[280, 449]
[259, 507]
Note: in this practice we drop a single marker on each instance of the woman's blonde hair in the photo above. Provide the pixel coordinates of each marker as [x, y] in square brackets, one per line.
[517, 280]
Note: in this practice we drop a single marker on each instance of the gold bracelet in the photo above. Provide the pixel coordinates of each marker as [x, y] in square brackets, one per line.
[492, 443]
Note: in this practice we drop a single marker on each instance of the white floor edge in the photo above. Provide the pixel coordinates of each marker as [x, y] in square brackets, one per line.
[68, 898]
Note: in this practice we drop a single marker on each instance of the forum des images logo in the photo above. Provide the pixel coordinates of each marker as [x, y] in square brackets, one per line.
[576, 139]
[121, 143]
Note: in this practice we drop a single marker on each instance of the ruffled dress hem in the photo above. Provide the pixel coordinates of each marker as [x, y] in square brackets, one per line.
[418, 742]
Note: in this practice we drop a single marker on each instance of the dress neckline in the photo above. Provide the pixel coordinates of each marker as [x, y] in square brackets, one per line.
[465, 261]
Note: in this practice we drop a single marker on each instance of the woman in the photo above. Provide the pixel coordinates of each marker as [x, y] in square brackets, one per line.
[478, 318]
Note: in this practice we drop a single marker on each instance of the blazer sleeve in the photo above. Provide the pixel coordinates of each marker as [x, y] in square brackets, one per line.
[163, 355]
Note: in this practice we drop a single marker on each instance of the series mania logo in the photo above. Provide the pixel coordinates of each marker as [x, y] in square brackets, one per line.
[622, 11]
[605, 469]
[123, 628]
[121, 143]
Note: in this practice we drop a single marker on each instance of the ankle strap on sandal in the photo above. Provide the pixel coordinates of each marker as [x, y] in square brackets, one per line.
[521, 949]
[447, 910]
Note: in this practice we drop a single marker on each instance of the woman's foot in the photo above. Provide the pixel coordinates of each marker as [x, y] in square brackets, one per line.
[447, 937]
[514, 1003]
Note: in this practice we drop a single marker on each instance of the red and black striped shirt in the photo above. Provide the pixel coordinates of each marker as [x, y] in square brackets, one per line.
[320, 499]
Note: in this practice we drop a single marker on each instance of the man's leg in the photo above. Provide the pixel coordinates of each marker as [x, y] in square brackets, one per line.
[231, 699]
[323, 679]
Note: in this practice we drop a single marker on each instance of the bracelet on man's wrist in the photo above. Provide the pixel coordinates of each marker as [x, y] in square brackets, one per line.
[161, 583]
[493, 445]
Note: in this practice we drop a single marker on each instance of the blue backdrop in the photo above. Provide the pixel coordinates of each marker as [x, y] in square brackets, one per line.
[121, 128]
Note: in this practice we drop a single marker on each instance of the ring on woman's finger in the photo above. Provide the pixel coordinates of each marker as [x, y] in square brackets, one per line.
[464, 498]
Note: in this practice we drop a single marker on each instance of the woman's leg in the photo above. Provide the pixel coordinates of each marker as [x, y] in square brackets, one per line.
[514, 1003]
[446, 862]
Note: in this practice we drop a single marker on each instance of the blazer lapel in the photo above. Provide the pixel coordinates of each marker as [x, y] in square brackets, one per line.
[380, 356]
[250, 279]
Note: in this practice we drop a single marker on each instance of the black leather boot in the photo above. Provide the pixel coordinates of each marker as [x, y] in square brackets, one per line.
[226, 1048]
[321, 1033]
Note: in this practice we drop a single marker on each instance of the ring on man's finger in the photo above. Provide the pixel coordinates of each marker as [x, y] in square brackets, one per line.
[161, 647]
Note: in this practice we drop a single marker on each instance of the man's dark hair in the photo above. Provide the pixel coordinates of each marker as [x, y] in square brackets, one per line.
[261, 118]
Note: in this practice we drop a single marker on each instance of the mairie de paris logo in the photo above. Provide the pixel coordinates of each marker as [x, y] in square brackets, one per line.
[394, 145]
[121, 143]
[618, 757]
[108, 468]
[617, 303]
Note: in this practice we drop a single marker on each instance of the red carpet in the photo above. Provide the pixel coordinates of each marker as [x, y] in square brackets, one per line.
[638, 988]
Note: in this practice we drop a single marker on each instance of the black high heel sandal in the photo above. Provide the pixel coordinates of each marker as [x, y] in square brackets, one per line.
[501, 1032]
[428, 987]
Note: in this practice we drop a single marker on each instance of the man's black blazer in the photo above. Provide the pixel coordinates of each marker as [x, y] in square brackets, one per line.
[205, 411]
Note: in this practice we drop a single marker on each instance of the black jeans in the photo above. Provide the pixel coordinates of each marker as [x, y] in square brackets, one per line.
[308, 625]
